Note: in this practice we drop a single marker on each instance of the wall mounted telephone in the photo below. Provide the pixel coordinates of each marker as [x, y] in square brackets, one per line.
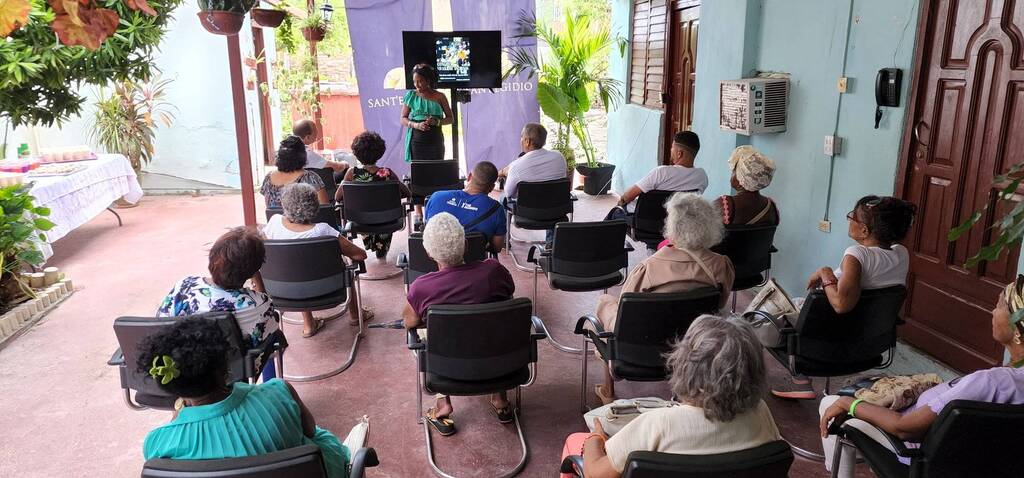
[887, 90]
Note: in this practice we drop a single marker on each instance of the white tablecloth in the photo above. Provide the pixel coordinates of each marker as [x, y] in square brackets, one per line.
[77, 198]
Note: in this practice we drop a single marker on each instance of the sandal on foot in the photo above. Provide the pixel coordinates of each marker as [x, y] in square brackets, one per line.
[444, 425]
[319, 324]
[505, 414]
[605, 399]
[794, 390]
[367, 316]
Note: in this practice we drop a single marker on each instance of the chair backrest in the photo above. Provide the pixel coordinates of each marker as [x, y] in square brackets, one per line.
[748, 247]
[327, 176]
[648, 323]
[420, 263]
[304, 268]
[429, 177]
[377, 202]
[544, 200]
[481, 341]
[589, 249]
[859, 335]
[304, 461]
[131, 331]
[326, 214]
[649, 216]
[771, 460]
[962, 438]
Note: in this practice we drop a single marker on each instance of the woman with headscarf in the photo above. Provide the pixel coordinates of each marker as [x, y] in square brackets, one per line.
[751, 172]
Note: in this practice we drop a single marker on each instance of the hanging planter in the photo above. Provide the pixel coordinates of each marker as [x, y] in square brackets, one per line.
[314, 28]
[267, 17]
[223, 17]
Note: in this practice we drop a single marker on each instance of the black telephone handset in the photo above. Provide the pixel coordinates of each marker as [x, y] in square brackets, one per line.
[887, 90]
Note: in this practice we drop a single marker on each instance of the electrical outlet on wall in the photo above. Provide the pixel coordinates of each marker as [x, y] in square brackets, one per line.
[825, 226]
[833, 145]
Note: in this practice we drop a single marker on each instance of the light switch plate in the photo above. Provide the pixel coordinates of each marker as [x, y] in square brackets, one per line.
[825, 226]
[842, 84]
[833, 145]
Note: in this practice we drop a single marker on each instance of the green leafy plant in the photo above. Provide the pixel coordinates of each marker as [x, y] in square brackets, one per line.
[570, 74]
[314, 22]
[236, 6]
[126, 120]
[22, 225]
[40, 77]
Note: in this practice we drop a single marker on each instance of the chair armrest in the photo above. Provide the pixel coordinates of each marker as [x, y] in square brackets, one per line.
[572, 464]
[406, 179]
[357, 267]
[762, 317]
[897, 444]
[573, 197]
[403, 261]
[263, 350]
[117, 359]
[363, 458]
[413, 340]
[772, 249]
[532, 255]
[628, 247]
[598, 327]
[540, 331]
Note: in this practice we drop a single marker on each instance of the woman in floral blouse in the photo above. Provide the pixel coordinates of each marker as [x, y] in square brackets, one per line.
[368, 148]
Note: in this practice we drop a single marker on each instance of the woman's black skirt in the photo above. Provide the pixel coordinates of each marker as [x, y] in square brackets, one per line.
[426, 145]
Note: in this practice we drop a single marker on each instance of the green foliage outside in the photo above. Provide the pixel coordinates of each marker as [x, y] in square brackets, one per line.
[22, 224]
[125, 121]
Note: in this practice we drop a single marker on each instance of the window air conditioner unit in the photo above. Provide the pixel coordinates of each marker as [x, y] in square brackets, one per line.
[753, 105]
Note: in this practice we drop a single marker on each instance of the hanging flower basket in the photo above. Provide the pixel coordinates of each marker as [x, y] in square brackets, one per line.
[314, 33]
[224, 17]
[268, 17]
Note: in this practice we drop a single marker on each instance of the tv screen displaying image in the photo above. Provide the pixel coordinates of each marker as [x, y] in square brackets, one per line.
[466, 59]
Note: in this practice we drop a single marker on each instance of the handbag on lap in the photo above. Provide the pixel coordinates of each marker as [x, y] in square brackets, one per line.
[619, 413]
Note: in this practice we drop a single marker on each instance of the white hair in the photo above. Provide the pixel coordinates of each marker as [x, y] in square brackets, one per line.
[692, 223]
[753, 170]
[444, 239]
[299, 203]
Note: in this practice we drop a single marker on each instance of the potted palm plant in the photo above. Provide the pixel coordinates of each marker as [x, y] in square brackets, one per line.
[224, 17]
[125, 121]
[569, 76]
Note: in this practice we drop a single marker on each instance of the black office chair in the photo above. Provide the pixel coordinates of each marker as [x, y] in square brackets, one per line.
[477, 350]
[304, 461]
[959, 443]
[584, 257]
[771, 460]
[750, 250]
[417, 262]
[310, 274]
[373, 208]
[245, 362]
[327, 214]
[330, 185]
[646, 326]
[428, 177]
[538, 207]
[647, 224]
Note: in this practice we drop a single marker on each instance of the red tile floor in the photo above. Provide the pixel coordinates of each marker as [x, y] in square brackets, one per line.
[61, 411]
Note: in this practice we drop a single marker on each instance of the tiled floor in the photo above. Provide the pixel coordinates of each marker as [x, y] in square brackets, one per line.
[61, 412]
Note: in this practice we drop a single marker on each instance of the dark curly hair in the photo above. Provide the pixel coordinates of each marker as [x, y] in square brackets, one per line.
[291, 155]
[200, 353]
[368, 147]
[235, 257]
[428, 72]
[888, 219]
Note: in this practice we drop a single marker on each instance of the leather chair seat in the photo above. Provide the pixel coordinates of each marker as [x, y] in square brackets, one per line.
[449, 386]
[397, 225]
[322, 302]
[524, 223]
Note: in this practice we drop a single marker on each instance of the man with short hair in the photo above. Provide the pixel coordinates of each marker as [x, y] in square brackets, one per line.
[307, 131]
[680, 176]
[472, 206]
[536, 164]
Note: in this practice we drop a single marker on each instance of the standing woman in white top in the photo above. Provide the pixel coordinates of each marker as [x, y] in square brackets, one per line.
[877, 225]
[300, 204]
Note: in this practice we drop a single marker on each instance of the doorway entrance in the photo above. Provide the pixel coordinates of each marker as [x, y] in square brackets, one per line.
[964, 128]
[680, 70]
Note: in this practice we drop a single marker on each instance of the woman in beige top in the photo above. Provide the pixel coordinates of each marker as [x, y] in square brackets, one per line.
[718, 376]
[692, 226]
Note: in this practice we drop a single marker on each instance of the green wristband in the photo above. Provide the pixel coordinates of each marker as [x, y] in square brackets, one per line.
[853, 407]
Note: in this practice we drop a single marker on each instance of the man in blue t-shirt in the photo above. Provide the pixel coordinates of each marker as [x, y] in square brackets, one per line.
[473, 206]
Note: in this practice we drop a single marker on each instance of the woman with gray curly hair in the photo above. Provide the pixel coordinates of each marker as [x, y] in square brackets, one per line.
[751, 172]
[718, 376]
[300, 205]
[693, 225]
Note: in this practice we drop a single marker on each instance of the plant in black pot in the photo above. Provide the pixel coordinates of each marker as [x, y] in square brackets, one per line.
[570, 73]
[224, 17]
[269, 17]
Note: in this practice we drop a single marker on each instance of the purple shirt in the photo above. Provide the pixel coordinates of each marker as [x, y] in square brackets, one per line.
[473, 283]
[994, 385]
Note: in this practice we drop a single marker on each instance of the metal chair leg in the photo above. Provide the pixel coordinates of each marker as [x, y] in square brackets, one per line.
[351, 354]
[515, 471]
[559, 346]
[583, 379]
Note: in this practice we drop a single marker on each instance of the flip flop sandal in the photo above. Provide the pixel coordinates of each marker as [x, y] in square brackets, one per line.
[505, 415]
[444, 425]
[605, 399]
[319, 325]
[367, 316]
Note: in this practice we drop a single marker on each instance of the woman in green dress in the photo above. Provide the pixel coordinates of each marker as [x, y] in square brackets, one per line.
[424, 111]
[213, 420]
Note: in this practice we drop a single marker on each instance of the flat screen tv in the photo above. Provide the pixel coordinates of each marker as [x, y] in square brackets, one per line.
[464, 59]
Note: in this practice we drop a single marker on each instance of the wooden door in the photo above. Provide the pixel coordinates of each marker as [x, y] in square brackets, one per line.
[681, 71]
[966, 125]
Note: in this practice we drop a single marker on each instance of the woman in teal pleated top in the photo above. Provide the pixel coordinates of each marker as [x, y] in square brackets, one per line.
[424, 110]
[214, 420]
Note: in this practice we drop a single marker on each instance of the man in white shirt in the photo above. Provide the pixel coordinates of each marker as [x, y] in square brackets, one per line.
[680, 176]
[306, 129]
[536, 164]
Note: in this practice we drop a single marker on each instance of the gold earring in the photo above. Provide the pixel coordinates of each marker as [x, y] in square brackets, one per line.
[1016, 337]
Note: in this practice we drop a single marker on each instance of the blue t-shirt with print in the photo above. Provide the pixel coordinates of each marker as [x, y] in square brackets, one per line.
[467, 207]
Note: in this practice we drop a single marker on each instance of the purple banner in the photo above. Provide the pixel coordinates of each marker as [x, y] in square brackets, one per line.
[491, 123]
[375, 27]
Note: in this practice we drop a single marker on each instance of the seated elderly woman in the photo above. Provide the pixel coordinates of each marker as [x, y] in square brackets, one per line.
[718, 376]
[877, 225]
[368, 147]
[213, 420]
[751, 172]
[693, 225]
[291, 164]
[455, 282]
[1004, 384]
[300, 205]
[235, 257]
